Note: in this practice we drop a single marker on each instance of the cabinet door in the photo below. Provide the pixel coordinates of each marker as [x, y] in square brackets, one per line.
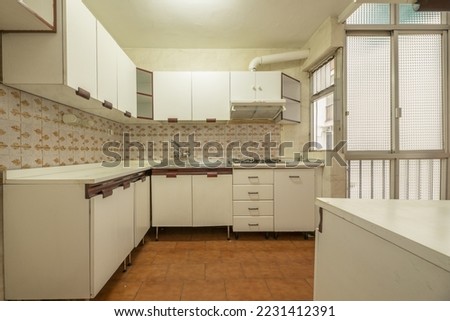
[172, 95]
[107, 49]
[141, 210]
[242, 85]
[212, 200]
[126, 84]
[211, 95]
[268, 85]
[294, 200]
[125, 221]
[81, 47]
[171, 200]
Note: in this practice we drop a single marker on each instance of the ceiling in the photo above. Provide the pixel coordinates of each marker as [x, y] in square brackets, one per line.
[214, 23]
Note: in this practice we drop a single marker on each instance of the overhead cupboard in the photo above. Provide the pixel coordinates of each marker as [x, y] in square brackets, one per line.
[79, 65]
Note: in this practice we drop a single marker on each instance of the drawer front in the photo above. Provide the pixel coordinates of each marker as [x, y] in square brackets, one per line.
[252, 193]
[253, 176]
[252, 223]
[253, 208]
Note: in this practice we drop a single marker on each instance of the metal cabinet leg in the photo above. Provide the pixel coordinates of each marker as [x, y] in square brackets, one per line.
[156, 236]
[129, 259]
[228, 233]
[125, 265]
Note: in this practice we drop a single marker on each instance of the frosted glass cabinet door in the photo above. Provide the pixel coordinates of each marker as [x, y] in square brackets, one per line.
[210, 95]
[126, 90]
[81, 47]
[172, 96]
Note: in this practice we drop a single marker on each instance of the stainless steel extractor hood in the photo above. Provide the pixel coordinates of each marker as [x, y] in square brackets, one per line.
[257, 110]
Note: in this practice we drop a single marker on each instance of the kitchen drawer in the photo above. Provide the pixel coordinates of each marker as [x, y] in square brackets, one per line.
[253, 208]
[252, 176]
[252, 193]
[252, 223]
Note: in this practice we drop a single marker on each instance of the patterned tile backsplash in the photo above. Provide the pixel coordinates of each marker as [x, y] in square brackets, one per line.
[33, 134]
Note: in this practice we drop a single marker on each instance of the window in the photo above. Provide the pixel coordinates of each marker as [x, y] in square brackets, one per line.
[395, 103]
[323, 105]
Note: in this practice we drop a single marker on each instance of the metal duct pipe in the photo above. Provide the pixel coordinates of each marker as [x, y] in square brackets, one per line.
[280, 57]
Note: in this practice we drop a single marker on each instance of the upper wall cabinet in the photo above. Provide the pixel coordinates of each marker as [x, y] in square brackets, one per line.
[210, 96]
[27, 15]
[202, 96]
[80, 65]
[290, 91]
[261, 85]
[144, 83]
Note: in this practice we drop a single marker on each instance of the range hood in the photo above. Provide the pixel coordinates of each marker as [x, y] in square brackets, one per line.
[257, 110]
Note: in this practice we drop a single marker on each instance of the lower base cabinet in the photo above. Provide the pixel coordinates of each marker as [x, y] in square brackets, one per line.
[59, 245]
[185, 198]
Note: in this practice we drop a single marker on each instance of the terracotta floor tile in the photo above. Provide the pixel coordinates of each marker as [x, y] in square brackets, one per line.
[264, 256]
[304, 243]
[220, 245]
[261, 270]
[247, 290]
[221, 271]
[290, 289]
[297, 270]
[138, 272]
[118, 291]
[204, 291]
[250, 245]
[279, 245]
[143, 257]
[237, 256]
[157, 246]
[171, 257]
[188, 271]
[204, 256]
[160, 291]
[193, 245]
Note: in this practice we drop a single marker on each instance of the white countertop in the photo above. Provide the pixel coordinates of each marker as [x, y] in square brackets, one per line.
[420, 227]
[72, 174]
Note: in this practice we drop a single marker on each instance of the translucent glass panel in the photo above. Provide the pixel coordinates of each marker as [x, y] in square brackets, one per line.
[420, 179]
[369, 179]
[368, 93]
[420, 91]
[371, 13]
[407, 15]
[323, 77]
[323, 121]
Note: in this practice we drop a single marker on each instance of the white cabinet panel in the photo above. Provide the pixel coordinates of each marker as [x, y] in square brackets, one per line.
[81, 45]
[253, 176]
[172, 95]
[253, 223]
[126, 86]
[294, 196]
[259, 85]
[141, 210]
[253, 208]
[212, 200]
[171, 200]
[125, 223]
[107, 50]
[252, 193]
[210, 95]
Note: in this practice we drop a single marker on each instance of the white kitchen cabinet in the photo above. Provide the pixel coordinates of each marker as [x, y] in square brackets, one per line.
[171, 200]
[291, 92]
[388, 250]
[126, 86]
[294, 196]
[212, 200]
[73, 232]
[144, 84]
[253, 200]
[191, 197]
[255, 85]
[112, 233]
[210, 95]
[27, 15]
[172, 95]
[141, 210]
[63, 66]
[107, 52]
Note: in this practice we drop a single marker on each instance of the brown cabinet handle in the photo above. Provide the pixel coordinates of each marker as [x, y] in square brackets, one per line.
[253, 193]
[127, 114]
[253, 208]
[126, 185]
[172, 120]
[107, 104]
[212, 174]
[107, 192]
[320, 220]
[171, 175]
[294, 176]
[253, 224]
[143, 178]
[253, 177]
[83, 93]
[210, 120]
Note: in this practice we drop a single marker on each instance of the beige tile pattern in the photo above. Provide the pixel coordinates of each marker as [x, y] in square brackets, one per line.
[180, 267]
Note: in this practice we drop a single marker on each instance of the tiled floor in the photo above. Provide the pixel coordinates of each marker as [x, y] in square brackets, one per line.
[200, 264]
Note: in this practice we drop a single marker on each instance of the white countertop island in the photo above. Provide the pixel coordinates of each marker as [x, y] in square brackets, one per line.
[383, 250]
